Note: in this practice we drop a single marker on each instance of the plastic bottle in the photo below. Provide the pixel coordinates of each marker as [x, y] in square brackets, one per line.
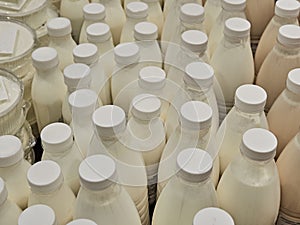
[286, 54]
[212, 216]
[212, 9]
[250, 184]
[187, 192]
[47, 187]
[286, 12]
[82, 222]
[48, 89]
[100, 197]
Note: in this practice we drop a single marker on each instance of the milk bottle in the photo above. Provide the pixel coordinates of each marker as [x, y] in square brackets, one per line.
[212, 9]
[212, 216]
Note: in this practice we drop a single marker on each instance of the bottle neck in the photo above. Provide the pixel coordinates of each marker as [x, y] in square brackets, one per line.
[61, 40]
[293, 97]
[247, 114]
[227, 13]
[186, 182]
[13, 166]
[197, 133]
[59, 150]
[286, 50]
[48, 73]
[284, 20]
[256, 162]
[230, 41]
[191, 26]
[196, 93]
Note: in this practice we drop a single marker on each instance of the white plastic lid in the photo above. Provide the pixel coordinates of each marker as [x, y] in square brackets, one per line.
[137, 10]
[86, 53]
[194, 164]
[250, 98]
[11, 150]
[192, 13]
[44, 58]
[77, 75]
[212, 216]
[37, 215]
[195, 115]
[59, 26]
[259, 144]
[3, 191]
[94, 11]
[237, 27]
[145, 106]
[234, 5]
[82, 222]
[194, 40]
[126, 53]
[145, 31]
[109, 120]
[199, 75]
[97, 172]
[45, 176]
[293, 81]
[287, 8]
[289, 35]
[98, 32]
[83, 101]
[152, 78]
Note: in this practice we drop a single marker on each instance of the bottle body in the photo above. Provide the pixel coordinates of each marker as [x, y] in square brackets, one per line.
[9, 213]
[105, 51]
[150, 53]
[66, 111]
[155, 15]
[212, 9]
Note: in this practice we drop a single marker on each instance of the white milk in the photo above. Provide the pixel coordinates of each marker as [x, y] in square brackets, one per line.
[212, 216]
[212, 9]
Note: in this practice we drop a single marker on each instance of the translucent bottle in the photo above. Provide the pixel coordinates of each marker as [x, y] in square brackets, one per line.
[13, 169]
[187, 192]
[92, 13]
[212, 9]
[233, 61]
[212, 216]
[47, 187]
[247, 112]
[286, 54]
[59, 146]
[135, 12]
[100, 197]
[250, 184]
[82, 222]
[76, 76]
[286, 12]
[48, 89]
[87, 53]
[283, 116]
[230, 8]
[9, 211]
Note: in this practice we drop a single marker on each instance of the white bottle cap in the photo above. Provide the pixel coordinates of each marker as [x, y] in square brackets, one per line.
[94, 11]
[59, 26]
[82, 222]
[250, 98]
[137, 10]
[86, 53]
[83, 101]
[237, 27]
[195, 115]
[97, 172]
[44, 58]
[194, 40]
[56, 137]
[192, 13]
[194, 164]
[199, 75]
[11, 150]
[287, 8]
[77, 75]
[109, 120]
[45, 177]
[127, 53]
[212, 216]
[293, 81]
[98, 32]
[37, 215]
[289, 35]
[234, 5]
[3, 191]
[150, 1]
[145, 106]
[152, 78]
[258, 144]
[145, 31]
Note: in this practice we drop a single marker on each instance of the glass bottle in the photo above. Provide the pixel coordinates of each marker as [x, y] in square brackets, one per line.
[212, 9]
[212, 216]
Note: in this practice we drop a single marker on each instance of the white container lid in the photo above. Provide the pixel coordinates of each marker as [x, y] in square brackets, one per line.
[289, 35]
[258, 144]
[98, 32]
[3, 191]
[37, 215]
[293, 81]
[192, 13]
[194, 164]
[97, 172]
[152, 78]
[137, 10]
[86, 53]
[44, 58]
[212, 216]
[76, 76]
[145, 31]
[250, 98]
[59, 26]
[11, 150]
[145, 106]
[199, 75]
[287, 8]
[234, 5]
[194, 40]
[109, 120]
[82, 222]
[195, 115]
[126, 53]
[237, 27]
[45, 177]
[94, 12]
[83, 101]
